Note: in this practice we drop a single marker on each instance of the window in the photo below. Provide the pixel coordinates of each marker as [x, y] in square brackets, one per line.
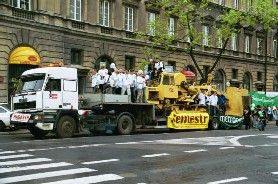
[221, 2]
[205, 35]
[172, 64]
[219, 43]
[246, 83]
[247, 44]
[2, 110]
[275, 83]
[75, 9]
[259, 76]
[275, 47]
[129, 18]
[151, 19]
[260, 46]
[234, 42]
[236, 5]
[249, 5]
[234, 73]
[219, 80]
[22, 4]
[76, 57]
[53, 85]
[104, 13]
[171, 29]
[206, 69]
[129, 63]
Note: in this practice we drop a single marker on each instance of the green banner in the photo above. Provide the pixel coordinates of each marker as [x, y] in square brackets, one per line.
[263, 100]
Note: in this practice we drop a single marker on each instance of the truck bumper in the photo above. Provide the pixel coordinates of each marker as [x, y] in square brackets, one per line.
[25, 120]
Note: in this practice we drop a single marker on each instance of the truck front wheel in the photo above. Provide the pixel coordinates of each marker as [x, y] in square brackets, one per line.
[125, 125]
[36, 132]
[214, 124]
[66, 127]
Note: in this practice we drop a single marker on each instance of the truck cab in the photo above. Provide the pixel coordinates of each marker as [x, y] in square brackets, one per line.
[44, 96]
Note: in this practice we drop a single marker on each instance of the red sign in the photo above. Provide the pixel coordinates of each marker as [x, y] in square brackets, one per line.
[171, 90]
[54, 96]
[32, 58]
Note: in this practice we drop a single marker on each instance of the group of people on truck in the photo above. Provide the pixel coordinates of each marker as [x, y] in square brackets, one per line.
[129, 82]
[118, 81]
[213, 101]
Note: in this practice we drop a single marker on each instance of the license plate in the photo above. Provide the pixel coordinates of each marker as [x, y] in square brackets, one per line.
[20, 117]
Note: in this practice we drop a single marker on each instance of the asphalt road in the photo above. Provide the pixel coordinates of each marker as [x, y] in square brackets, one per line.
[146, 157]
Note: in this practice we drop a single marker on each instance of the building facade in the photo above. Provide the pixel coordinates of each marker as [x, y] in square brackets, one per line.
[87, 33]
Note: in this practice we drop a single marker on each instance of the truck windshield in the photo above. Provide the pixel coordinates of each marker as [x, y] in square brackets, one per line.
[31, 83]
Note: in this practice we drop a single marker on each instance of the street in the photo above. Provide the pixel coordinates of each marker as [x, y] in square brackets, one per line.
[146, 157]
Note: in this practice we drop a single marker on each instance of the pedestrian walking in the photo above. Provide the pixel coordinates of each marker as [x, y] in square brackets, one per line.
[247, 117]
[275, 115]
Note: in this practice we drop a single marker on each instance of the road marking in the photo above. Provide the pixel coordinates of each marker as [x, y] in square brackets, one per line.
[274, 173]
[34, 167]
[195, 151]
[228, 180]
[128, 143]
[100, 161]
[15, 156]
[235, 142]
[223, 148]
[155, 155]
[7, 152]
[89, 179]
[26, 161]
[44, 175]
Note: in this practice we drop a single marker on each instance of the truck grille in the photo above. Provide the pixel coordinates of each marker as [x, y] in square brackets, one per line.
[24, 105]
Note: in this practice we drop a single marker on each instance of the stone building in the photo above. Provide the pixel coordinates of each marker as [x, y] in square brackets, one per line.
[86, 33]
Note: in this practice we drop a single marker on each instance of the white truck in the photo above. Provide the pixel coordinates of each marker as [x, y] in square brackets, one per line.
[48, 101]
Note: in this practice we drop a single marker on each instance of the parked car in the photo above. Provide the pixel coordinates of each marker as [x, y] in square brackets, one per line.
[5, 112]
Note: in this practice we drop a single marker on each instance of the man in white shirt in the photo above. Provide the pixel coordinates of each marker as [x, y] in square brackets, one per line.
[119, 82]
[132, 78]
[126, 83]
[139, 82]
[101, 77]
[213, 103]
[93, 75]
[202, 97]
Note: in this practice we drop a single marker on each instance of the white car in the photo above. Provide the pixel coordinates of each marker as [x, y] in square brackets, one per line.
[5, 113]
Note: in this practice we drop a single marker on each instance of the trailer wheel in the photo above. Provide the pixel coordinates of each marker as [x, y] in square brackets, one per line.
[125, 125]
[36, 132]
[66, 127]
[214, 125]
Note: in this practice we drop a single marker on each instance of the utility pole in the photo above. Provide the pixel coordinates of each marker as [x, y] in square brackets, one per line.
[265, 62]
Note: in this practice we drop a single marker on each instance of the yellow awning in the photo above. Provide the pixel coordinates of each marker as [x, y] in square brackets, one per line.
[25, 55]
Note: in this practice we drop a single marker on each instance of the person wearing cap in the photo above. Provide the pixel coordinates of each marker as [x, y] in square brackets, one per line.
[126, 81]
[112, 80]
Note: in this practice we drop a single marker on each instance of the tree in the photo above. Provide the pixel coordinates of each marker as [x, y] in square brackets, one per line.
[190, 15]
